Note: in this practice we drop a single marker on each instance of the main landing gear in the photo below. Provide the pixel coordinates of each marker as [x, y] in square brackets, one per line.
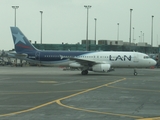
[135, 72]
[84, 72]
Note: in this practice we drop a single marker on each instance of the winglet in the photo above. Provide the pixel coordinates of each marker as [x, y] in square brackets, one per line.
[21, 43]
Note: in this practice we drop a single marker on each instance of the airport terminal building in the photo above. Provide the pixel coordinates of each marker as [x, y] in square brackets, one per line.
[102, 45]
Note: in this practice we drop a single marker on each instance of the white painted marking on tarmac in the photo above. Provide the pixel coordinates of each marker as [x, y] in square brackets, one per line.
[47, 82]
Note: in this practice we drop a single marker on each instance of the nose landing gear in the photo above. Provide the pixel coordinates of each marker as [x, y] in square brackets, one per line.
[135, 72]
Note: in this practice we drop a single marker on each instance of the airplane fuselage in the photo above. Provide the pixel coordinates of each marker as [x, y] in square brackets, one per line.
[97, 61]
[115, 59]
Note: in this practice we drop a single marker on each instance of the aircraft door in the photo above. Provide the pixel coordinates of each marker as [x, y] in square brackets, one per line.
[135, 60]
[37, 55]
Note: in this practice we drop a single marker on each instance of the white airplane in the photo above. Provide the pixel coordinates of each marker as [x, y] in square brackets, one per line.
[95, 61]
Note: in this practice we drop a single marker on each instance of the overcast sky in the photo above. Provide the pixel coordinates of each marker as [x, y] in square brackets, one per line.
[65, 20]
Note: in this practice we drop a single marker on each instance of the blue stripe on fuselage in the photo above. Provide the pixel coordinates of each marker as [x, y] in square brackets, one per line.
[55, 55]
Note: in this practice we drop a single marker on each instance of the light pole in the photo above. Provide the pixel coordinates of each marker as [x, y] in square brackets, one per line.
[130, 26]
[95, 28]
[15, 7]
[152, 32]
[87, 7]
[41, 25]
[133, 35]
[117, 31]
[141, 37]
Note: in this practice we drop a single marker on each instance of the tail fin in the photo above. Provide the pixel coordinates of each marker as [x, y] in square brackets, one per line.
[21, 43]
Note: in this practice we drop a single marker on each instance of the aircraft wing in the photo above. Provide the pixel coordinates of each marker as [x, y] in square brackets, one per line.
[87, 62]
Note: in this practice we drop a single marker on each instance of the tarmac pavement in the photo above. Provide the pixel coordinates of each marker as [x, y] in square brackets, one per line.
[49, 93]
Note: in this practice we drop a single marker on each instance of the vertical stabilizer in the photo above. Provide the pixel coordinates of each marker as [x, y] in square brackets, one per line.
[21, 43]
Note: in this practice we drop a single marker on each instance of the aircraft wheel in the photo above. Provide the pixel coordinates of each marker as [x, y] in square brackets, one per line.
[84, 72]
[135, 73]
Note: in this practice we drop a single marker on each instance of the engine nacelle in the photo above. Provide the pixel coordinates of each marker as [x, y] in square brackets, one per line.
[76, 65]
[101, 67]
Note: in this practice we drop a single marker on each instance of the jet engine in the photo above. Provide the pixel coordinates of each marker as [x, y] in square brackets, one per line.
[101, 67]
[77, 65]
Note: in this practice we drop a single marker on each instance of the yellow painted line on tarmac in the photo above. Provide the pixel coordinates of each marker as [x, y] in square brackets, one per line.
[93, 111]
[28, 110]
[155, 118]
[48, 82]
[98, 112]
[91, 89]
[48, 103]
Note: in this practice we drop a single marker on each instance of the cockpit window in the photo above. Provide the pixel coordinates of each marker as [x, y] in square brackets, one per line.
[146, 57]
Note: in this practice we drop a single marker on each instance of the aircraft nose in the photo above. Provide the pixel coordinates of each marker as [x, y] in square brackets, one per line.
[153, 62]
